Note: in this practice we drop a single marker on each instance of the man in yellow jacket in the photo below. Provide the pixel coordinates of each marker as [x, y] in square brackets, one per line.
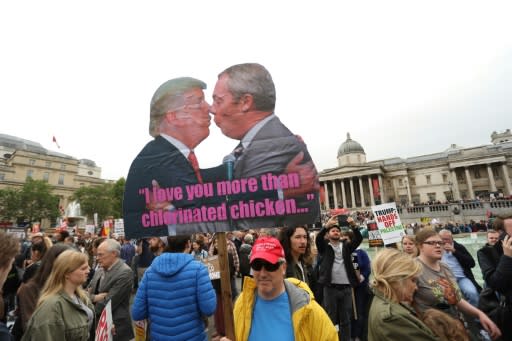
[271, 307]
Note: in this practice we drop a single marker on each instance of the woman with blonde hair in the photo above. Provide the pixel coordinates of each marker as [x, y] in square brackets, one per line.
[409, 245]
[64, 311]
[394, 284]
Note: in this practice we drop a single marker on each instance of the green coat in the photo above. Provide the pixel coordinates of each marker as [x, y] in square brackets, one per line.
[58, 318]
[393, 321]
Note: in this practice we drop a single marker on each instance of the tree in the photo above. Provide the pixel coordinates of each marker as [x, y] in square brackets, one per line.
[117, 193]
[9, 204]
[33, 202]
[94, 199]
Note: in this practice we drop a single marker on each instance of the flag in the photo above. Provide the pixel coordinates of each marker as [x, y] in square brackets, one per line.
[55, 141]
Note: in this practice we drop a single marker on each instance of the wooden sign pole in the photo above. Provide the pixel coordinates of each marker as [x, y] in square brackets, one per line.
[225, 285]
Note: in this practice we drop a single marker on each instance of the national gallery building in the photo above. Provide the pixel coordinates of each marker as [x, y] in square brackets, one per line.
[452, 177]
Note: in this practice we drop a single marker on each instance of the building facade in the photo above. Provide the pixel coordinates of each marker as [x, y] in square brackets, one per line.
[452, 177]
[20, 159]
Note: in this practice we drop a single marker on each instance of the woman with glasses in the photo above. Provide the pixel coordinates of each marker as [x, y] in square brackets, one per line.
[437, 285]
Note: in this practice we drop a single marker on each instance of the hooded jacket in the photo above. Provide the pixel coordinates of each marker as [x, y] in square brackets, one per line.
[310, 321]
[174, 294]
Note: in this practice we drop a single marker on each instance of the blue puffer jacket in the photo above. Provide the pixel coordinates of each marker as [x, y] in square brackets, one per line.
[174, 294]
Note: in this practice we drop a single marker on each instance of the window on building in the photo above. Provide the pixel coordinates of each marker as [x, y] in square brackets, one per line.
[429, 181]
[412, 181]
[48, 164]
[61, 179]
[476, 172]
[445, 178]
[30, 173]
[46, 176]
[400, 182]
[431, 196]
[32, 162]
[62, 166]
[2, 176]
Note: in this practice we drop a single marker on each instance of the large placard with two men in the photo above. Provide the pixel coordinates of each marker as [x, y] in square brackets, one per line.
[265, 179]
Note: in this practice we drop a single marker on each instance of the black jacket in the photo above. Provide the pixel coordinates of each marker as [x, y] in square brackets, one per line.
[327, 253]
[496, 269]
[467, 262]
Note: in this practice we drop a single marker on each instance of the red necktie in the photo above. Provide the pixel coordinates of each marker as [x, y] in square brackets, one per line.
[195, 165]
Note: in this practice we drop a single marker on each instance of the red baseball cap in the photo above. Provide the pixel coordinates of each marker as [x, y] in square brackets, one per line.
[267, 248]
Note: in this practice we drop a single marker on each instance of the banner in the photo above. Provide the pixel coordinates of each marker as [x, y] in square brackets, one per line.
[269, 180]
[104, 329]
[376, 189]
[389, 224]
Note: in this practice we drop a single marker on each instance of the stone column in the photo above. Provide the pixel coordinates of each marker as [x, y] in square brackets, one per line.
[361, 191]
[506, 178]
[395, 189]
[352, 192]
[470, 184]
[370, 187]
[381, 190]
[491, 178]
[408, 190]
[326, 192]
[335, 194]
[343, 195]
[455, 184]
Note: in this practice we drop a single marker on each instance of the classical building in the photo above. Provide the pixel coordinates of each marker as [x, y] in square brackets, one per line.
[455, 175]
[20, 159]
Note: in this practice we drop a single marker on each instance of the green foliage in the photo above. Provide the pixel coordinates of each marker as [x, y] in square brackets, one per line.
[33, 202]
[106, 199]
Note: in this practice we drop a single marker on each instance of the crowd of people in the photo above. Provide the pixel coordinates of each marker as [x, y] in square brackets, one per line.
[296, 285]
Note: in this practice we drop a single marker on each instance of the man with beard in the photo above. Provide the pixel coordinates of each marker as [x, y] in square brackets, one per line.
[157, 245]
[337, 273]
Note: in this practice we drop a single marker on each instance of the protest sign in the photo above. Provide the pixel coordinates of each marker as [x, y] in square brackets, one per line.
[374, 238]
[119, 227]
[212, 263]
[104, 329]
[389, 224]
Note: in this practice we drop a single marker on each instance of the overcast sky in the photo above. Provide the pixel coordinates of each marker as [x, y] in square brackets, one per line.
[405, 78]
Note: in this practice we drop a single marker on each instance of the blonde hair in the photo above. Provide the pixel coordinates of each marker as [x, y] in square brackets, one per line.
[67, 262]
[390, 268]
[444, 326]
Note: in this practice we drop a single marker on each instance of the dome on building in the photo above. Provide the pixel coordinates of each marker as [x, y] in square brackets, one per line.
[350, 147]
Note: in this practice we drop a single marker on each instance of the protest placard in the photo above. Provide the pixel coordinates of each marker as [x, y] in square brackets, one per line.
[389, 224]
[212, 263]
[104, 329]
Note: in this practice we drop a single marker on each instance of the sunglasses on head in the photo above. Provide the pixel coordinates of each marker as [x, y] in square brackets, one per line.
[257, 264]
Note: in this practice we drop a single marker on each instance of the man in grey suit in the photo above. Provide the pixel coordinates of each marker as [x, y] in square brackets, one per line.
[243, 108]
[113, 281]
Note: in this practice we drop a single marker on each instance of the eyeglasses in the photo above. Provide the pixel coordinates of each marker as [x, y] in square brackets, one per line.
[434, 242]
[257, 264]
